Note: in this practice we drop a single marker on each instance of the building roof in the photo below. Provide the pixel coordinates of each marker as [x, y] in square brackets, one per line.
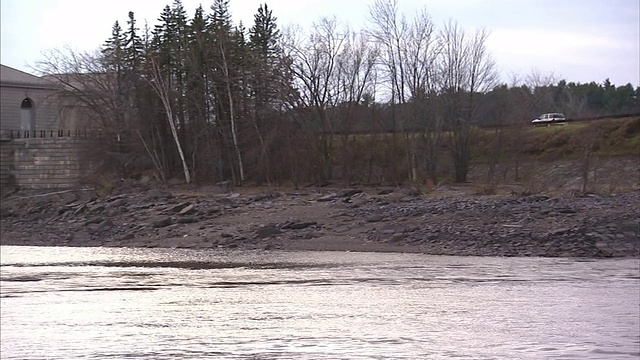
[14, 77]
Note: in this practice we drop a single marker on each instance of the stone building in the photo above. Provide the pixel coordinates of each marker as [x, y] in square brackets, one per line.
[34, 151]
[27, 102]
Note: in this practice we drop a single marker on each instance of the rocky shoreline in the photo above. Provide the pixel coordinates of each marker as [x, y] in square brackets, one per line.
[448, 221]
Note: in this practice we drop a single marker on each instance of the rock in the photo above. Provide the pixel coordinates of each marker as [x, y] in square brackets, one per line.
[115, 197]
[350, 193]
[536, 198]
[81, 237]
[163, 222]
[175, 181]
[178, 208]
[128, 236]
[95, 220]
[375, 218]
[6, 212]
[187, 220]
[80, 209]
[299, 225]
[262, 197]
[558, 231]
[145, 179]
[105, 225]
[143, 206]
[397, 237]
[393, 228]
[327, 198]
[227, 201]
[159, 195]
[187, 210]
[566, 211]
[119, 203]
[98, 208]
[310, 235]
[603, 248]
[385, 192]
[268, 231]
[213, 210]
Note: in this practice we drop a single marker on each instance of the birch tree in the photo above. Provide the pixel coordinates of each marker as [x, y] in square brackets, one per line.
[162, 90]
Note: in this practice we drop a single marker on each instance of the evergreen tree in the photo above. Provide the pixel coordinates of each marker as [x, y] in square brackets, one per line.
[113, 49]
[264, 33]
[133, 45]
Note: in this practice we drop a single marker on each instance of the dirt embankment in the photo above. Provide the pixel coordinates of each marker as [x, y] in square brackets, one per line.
[449, 220]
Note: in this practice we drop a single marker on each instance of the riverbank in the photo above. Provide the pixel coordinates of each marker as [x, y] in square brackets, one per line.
[449, 220]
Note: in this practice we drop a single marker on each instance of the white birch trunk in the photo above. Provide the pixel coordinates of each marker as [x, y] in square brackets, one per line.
[160, 89]
[234, 135]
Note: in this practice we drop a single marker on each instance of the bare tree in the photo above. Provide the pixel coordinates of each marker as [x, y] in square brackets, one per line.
[420, 56]
[575, 103]
[356, 76]
[315, 68]
[540, 98]
[530, 96]
[467, 70]
[93, 99]
[390, 30]
[409, 53]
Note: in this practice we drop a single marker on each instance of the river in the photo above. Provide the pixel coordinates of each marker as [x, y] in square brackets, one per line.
[117, 303]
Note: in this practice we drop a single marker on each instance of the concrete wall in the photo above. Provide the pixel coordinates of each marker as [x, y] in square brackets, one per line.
[44, 163]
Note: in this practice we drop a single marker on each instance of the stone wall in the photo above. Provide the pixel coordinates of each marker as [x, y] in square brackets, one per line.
[39, 163]
[6, 165]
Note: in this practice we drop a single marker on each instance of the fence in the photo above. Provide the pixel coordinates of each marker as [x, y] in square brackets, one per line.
[39, 134]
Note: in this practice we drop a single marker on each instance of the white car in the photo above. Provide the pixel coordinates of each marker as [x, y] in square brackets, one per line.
[549, 119]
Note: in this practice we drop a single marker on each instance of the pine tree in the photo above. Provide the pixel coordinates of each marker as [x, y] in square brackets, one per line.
[133, 45]
[264, 33]
[113, 49]
[114, 61]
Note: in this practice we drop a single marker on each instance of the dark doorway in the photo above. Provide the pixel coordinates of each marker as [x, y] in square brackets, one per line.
[27, 115]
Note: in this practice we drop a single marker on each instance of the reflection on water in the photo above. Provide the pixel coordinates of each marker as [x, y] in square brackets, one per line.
[99, 303]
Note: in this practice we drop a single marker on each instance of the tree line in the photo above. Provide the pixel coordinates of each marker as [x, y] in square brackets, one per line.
[214, 101]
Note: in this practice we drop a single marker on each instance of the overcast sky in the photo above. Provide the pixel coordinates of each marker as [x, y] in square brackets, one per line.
[578, 40]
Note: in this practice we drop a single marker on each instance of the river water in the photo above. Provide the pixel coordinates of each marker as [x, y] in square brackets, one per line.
[113, 303]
